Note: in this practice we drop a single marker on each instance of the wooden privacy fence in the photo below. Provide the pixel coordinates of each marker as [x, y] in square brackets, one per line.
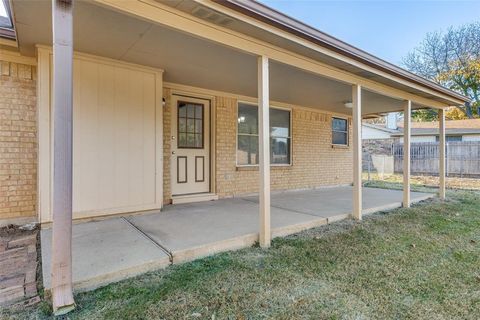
[462, 158]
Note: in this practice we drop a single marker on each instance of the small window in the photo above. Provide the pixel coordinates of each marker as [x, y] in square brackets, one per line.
[279, 136]
[339, 131]
[247, 143]
[450, 138]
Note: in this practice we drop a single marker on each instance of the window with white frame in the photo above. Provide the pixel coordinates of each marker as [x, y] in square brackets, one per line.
[339, 131]
[247, 133]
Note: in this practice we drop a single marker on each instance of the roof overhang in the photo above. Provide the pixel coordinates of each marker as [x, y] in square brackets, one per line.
[383, 129]
[198, 45]
[337, 52]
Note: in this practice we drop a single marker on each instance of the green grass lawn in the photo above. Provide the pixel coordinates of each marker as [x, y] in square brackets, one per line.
[418, 263]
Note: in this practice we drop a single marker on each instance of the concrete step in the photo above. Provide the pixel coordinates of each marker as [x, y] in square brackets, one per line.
[198, 197]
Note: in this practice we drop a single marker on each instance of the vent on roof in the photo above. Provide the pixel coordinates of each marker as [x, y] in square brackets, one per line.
[211, 16]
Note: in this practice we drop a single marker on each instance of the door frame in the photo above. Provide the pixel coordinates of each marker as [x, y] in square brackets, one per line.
[211, 151]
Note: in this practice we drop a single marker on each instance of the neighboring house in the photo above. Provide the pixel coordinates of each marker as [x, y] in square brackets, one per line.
[456, 130]
[381, 131]
[377, 132]
[171, 103]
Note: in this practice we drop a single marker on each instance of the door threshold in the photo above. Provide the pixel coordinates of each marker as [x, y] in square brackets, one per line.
[196, 197]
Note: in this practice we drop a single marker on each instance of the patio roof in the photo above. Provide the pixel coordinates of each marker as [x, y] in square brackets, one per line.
[282, 21]
[192, 60]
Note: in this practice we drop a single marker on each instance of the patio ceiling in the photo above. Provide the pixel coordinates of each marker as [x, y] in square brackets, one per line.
[187, 59]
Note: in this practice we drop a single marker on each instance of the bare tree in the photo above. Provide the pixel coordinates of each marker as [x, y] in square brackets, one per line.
[451, 59]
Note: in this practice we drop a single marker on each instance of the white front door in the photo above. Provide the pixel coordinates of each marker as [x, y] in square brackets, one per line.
[190, 161]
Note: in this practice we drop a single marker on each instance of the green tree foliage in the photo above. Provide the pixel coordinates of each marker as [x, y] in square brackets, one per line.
[452, 113]
[426, 115]
[451, 59]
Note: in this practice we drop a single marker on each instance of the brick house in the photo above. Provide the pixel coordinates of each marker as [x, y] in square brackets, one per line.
[182, 101]
[455, 130]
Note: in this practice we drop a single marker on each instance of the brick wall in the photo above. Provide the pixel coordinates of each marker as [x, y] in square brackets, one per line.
[18, 264]
[18, 144]
[314, 161]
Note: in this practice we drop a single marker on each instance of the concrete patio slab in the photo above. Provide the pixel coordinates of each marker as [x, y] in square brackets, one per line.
[113, 249]
[337, 201]
[104, 252]
[198, 229]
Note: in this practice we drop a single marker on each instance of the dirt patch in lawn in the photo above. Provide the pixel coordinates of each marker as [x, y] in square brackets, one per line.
[429, 181]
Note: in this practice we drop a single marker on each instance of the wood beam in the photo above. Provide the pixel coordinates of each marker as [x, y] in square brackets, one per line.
[441, 165]
[264, 151]
[357, 150]
[62, 294]
[407, 119]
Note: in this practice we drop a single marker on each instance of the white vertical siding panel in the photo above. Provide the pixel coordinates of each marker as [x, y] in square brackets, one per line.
[114, 138]
[149, 149]
[88, 150]
[122, 152]
[135, 138]
[106, 135]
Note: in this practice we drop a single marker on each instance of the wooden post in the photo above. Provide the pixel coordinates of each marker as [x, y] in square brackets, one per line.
[357, 150]
[441, 166]
[407, 118]
[264, 150]
[62, 295]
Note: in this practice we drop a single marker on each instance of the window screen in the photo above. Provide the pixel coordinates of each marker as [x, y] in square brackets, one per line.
[247, 143]
[339, 131]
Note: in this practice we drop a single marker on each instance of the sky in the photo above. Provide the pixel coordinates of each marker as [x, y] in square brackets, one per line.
[386, 29]
[3, 12]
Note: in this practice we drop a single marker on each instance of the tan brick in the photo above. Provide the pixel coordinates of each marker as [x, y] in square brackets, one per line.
[18, 142]
[30, 289]
[12, 281]
[23, 241]
[11, 294]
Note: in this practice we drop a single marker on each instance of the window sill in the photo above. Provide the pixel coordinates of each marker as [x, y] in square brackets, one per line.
[272, 167]
[340, 146]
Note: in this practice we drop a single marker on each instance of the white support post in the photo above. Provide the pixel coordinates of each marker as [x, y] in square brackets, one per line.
[357, 150]
[407, 119]
[62, 295]
[264, 151]
[441, 165]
